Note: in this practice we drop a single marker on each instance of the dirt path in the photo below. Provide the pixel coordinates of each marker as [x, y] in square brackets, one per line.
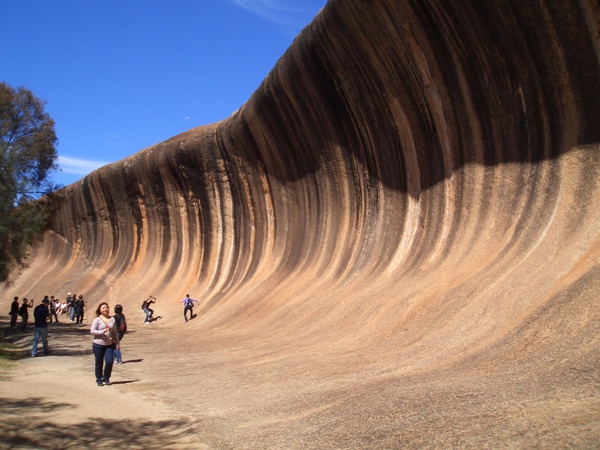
[190, 386]
[53, 401]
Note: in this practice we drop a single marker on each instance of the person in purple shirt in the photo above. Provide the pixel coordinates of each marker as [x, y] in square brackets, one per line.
[188, 305]
[40, 315]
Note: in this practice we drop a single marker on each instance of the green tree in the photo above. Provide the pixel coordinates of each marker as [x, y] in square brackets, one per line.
[27, 158]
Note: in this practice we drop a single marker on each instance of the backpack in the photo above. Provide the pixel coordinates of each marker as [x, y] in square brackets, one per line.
[121, 324]
[23, 310]
[144, 305]
[189, 303]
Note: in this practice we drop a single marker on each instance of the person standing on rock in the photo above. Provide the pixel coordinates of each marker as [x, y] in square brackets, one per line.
[146, 308]
[14, 312]
[188, 305]
[106, 341]
[40, 315]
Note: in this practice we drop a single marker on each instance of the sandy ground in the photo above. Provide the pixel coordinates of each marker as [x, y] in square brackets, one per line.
[184, 385]
[53, 401]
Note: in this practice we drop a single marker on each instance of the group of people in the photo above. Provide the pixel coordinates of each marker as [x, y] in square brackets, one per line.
[188, 306]
[46, 312]
[74, 307]
[108, 330]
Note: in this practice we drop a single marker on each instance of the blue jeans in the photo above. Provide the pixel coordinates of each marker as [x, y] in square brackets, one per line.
[104, 354]
[43, 333]
[149, 313]
[117, 352]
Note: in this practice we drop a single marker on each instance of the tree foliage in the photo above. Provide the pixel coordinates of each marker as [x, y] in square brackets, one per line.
[27, 157]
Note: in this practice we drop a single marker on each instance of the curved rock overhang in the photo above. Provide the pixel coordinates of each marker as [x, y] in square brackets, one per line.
[414, 180]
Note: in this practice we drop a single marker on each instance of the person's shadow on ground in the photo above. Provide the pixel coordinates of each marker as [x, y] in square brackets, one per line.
[124, 382]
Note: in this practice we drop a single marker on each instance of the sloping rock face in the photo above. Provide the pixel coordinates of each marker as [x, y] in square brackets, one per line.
[409, 202]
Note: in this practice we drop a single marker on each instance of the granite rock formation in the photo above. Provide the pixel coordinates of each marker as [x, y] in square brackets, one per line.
[409, 202]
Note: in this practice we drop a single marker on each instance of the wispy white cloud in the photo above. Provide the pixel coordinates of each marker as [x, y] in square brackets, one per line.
[284, 12]
[78, 166]
[113, 139]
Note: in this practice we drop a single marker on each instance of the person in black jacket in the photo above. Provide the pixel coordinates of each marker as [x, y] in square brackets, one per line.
[24, 313]
[41, 314]
[14, 312]
[79, 306]
[121, 324]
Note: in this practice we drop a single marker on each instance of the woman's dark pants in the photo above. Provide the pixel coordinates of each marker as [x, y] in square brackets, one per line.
[104, 354]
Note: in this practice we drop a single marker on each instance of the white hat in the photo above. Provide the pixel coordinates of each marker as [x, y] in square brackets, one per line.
[68, 293]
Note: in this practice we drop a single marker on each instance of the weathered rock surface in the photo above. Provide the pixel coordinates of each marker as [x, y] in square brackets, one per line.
[400, 229]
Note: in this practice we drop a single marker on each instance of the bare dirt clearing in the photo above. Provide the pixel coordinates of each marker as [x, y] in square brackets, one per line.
[53, 402]
[230, 394]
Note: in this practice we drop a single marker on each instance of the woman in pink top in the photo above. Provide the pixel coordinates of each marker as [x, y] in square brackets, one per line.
[106, 341]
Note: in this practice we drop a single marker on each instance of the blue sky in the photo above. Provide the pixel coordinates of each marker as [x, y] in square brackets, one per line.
[119, 76]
